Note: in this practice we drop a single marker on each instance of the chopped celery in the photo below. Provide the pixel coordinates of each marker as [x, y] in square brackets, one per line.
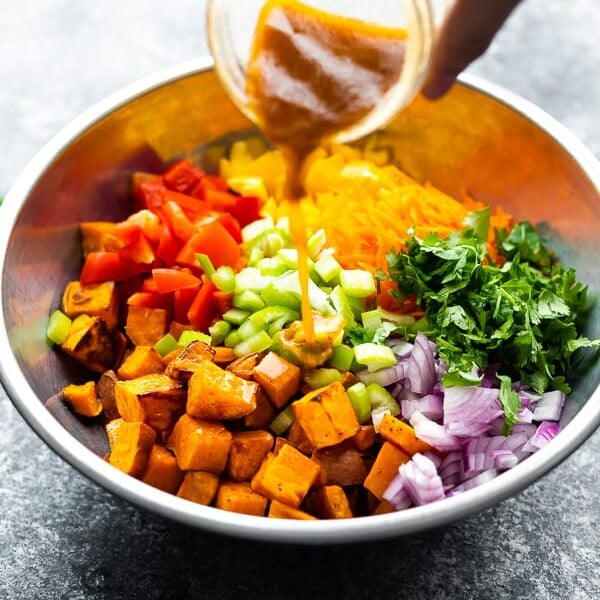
[328, 268]
[232, 339]
[283, 223]
[270, 242]
[273, 296]
[283, 421]
[206, 264]
[341, 357]
[374, 356]
[274, 265]
[259, 342]
[254, 229]
[289, 256]
[381, 399]
[318, 378]
[342, 306]
[58, 327]
[166, 344]
[255, 255]
[357, 283]
[247, 329]
[276, 326]
[190, 335]
[224, 279]
[371, 319]
[218, 332]
[315, 243]
[235, 316]
[359, 398]
[250, 278]
[290, 282]
[248, 300]
[357, 305]
[270, 314]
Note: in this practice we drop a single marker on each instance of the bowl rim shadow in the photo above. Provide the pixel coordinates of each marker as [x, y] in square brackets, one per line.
[417, 519]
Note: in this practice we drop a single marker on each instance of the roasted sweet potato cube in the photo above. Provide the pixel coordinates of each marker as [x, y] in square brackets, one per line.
[214, 393]
[385, 468]
[143, 360]
[244, 366]
[279, 510]
[95, 345]
[326, 415]
[329, 502]
[402, 435]
[384, 507]
[286, 476]
[188, 359]
[105, 391]
[262, 416]
[297, 437]
[200, 445]
[83, 399]
[279, 378]
[364, 438]
[162, 471]
[248, 450]
[94, 299]
[145, 326]
[199, 486]
[340, 465]
[240, 497]
[96, 236]
[155, 399]
[130, 445]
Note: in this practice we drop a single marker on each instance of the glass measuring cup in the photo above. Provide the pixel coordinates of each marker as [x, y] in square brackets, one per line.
[232, 23]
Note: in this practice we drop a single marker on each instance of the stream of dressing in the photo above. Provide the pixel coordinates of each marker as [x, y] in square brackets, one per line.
[313, 75]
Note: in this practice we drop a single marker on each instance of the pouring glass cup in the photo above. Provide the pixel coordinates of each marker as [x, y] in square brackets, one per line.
[231, 25]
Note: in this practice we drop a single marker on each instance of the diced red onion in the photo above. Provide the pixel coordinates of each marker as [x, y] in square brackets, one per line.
[469, 410]
[421, 480]
[429, 405]
[525, 416]
[401, 348]
[549, 407]
[433, 433]
[473, 482]
[504, 459]
[385, 376]
[546, 431]
[396, 494]
[420, 372]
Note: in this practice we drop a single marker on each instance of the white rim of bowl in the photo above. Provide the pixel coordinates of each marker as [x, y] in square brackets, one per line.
[358, 529]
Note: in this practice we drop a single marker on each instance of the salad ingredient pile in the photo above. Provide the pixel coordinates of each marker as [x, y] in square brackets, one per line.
[431, 372]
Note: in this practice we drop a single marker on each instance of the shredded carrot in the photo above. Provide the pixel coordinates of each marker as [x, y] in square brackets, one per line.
[367, 210]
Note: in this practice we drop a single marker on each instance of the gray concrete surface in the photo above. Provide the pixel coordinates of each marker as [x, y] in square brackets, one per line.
[63, 537]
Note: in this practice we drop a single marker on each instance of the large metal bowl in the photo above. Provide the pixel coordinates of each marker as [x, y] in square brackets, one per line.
[479, 139]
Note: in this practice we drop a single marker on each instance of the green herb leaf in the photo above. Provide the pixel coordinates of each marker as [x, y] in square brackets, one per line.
[510, 401]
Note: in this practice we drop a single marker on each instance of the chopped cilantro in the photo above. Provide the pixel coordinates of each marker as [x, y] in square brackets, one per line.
[522, 313]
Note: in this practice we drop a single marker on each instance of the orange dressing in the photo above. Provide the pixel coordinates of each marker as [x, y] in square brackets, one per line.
[311, 76]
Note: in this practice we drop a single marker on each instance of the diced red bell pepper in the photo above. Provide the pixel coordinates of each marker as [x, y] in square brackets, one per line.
[203, 309]
[170, 280]
[208, 183]
[109, 266]
[182, 301]
[223, 301]
[232, 225]
[148, 222]
[168, 246]
[135, 244]
[150, 300]
[150, 194]
[247, 209]
[182, 176]
[180, 225]
[188, 203]
[215, 241]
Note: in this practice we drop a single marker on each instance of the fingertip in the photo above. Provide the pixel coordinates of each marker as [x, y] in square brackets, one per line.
[438, 86]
